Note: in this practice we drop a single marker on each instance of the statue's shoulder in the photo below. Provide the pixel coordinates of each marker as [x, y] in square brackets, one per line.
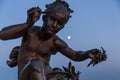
[58, 41]
[34, 28]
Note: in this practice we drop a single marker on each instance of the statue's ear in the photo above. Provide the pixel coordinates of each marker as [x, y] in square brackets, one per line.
[44, 18]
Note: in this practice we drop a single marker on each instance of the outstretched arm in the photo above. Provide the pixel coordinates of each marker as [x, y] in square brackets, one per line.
[15, 31]
[95, 54]
[70, 53]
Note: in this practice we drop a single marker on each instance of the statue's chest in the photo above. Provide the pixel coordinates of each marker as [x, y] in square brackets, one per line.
[39, 46]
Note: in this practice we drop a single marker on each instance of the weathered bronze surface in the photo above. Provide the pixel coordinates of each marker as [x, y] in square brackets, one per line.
[39, 43]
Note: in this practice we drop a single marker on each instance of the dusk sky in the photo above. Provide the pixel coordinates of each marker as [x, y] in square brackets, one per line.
[94, 23]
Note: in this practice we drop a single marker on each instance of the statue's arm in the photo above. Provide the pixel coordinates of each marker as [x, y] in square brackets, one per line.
[74, 55]
[70, 53]
[95, 54]
[15, 31]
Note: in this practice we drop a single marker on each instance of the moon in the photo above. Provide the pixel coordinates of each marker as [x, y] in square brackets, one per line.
[69, 37]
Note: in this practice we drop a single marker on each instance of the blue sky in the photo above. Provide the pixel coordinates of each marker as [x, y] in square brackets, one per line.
[94, 23]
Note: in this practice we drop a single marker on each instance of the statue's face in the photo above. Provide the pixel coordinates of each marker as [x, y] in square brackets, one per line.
[55, 22]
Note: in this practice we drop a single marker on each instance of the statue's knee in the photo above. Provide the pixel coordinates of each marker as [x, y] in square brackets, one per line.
[36, 65]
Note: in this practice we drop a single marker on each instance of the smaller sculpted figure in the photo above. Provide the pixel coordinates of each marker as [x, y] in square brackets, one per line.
[39, 43]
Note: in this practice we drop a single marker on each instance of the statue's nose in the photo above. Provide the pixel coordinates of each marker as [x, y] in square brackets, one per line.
[55, 24]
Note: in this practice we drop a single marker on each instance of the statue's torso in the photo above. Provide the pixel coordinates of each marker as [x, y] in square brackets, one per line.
[34, 47]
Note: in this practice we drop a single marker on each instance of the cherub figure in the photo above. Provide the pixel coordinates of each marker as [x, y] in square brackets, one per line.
[39, 43]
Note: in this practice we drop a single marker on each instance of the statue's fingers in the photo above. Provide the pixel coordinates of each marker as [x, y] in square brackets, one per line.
[100, 58]
[103, 51]
[104, 57]
[95, 62]
[90, 63]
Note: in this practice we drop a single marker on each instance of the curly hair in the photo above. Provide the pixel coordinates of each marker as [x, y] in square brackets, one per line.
[59, 6]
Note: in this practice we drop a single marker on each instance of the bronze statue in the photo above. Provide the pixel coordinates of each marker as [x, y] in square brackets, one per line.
[39, 43]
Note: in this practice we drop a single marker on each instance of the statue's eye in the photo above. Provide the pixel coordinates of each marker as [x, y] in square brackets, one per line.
[52, 18]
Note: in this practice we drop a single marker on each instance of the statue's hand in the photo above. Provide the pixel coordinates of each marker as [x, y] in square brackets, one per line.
[33, 15]
[97, 56]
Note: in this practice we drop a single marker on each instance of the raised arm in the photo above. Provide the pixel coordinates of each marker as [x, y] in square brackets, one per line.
[18, 30]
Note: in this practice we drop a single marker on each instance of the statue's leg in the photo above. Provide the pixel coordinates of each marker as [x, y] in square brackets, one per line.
[34, 70]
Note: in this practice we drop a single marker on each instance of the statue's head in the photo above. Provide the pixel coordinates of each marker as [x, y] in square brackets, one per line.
[56, 16]
[59, 6]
